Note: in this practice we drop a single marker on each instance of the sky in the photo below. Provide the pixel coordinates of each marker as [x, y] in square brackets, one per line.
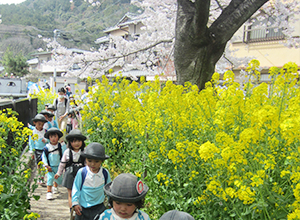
[11, 1]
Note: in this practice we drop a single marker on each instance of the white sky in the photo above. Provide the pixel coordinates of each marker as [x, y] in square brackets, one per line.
[11, 1]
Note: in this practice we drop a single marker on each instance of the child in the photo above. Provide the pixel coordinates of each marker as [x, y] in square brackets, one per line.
[51, 158]
[37, 142]
[126, 196]
[46, 106]
[69, 121]
[71, 160]
[51, 108]
[87, 192]
[176, 215]
[47, 115]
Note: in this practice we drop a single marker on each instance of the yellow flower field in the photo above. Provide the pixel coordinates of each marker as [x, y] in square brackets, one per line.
[218, 154]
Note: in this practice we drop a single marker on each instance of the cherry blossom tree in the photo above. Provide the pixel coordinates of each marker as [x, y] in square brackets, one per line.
[191, 33]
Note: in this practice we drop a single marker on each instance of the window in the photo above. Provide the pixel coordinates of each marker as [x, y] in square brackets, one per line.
[11, 84]
[259, 31]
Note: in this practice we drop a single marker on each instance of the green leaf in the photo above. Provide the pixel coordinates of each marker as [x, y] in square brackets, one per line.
[36, 197]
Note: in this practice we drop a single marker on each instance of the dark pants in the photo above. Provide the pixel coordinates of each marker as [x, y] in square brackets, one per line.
[38, 155]
[91, 213]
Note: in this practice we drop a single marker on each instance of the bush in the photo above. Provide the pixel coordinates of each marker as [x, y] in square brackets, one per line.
[15, 187]
[44, 96]
[221, 153]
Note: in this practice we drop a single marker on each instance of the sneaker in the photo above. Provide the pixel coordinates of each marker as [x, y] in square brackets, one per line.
[54, 190]
[49, 196]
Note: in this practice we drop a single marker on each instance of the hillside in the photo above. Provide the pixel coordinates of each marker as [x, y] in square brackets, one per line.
[80, 23]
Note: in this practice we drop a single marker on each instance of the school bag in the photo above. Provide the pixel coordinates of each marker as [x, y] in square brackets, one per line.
[46, 150]
[75, 165]
[84, 172]
[56, 101]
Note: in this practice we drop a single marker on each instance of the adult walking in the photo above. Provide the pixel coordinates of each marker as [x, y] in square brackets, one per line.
[62, 108]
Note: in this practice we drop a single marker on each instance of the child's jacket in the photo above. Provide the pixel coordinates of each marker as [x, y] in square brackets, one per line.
[53, 156]
[37, 144]
[110, 214]
[91, 192]
[50, 124]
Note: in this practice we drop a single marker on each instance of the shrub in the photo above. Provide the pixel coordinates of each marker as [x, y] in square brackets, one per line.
[15, 187]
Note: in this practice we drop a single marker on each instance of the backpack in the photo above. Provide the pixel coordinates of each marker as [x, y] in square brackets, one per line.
[75, 165]
[56, 101]
[84, 172]
[46, 150]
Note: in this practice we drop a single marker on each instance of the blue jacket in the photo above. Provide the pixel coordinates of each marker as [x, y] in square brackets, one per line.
[37, 144]
[91, 192]
[54, 157]
[110, 214]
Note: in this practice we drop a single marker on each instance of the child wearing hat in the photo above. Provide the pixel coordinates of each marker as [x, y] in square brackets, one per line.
[47, 115]
[87, 191]
[176, 215]
[37, 141]
[51, 108]
[51, 158]
[72, 160]
[126, 196]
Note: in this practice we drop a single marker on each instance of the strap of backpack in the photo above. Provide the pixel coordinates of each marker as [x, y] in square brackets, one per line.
[105, 174]
[70, 162]
[83, 175]
[60, 150]
[56, 101]
[47, 153]
[84, 172]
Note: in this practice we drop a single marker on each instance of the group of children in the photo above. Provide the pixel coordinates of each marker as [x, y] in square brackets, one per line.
[79, 168]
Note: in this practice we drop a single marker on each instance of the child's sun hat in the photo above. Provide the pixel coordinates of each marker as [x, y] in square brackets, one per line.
[95, 151]
[75, 133]
[176, 215]
[51, 107]
[126, 188]
[53, 130]
[45, 112]
[39, 117]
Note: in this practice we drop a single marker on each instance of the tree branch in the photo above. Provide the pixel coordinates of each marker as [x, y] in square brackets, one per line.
[201, 15]
[233, 17]
[87, 64]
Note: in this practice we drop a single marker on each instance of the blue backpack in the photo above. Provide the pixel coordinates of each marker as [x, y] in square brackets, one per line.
[84, 172]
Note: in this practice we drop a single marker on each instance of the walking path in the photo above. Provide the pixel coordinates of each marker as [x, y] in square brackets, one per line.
[56, 209]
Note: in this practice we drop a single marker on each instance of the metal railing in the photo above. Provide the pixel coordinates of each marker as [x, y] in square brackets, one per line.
[262, 34]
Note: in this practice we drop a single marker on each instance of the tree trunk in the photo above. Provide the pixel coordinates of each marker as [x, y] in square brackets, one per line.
[199, 47]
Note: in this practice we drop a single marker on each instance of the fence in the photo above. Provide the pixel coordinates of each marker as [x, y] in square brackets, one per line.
[26, 108]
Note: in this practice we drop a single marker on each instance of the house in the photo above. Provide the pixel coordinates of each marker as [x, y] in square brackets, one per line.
[130, 27]
[39, 63]
[266, 45]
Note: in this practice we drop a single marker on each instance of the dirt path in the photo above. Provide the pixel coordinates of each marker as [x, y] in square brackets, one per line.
[56, 209]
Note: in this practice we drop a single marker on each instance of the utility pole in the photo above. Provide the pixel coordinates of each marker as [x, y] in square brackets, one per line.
[56, 33]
